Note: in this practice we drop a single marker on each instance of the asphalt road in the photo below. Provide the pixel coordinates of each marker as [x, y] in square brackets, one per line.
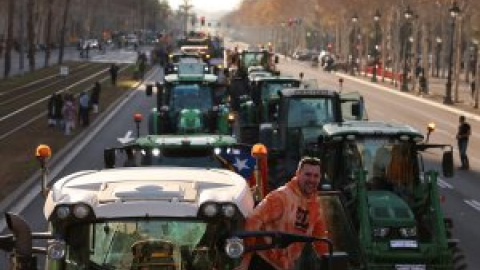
[461, 192]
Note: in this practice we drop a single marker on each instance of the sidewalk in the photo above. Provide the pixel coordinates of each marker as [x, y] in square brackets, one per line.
[436, 91]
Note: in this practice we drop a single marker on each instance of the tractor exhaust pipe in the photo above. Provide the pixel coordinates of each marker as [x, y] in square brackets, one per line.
[22, 252]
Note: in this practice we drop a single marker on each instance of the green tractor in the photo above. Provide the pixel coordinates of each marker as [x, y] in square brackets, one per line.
[392, 197]
[250, 59]
[296, 114]
[259, 105]
[190, 102]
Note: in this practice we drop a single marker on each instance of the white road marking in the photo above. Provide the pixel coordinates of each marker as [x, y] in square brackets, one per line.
[473, 203]
[443, 184]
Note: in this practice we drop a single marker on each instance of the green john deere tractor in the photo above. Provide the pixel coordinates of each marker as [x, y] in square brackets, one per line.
[189, 103]
[392, 196]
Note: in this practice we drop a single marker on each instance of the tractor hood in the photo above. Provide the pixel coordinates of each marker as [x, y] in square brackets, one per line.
[387, 209]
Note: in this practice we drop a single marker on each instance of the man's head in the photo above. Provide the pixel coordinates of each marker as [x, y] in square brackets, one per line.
[308, 175]
[462, 118]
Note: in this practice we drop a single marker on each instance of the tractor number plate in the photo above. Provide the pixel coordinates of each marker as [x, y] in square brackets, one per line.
[410, 267]
[403, 244]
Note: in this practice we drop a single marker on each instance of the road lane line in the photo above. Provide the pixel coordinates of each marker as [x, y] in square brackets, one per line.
[473, 203]
[443, 184]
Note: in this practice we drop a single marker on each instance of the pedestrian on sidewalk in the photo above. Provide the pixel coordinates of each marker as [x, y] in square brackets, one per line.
[113, 73]
[463, 134]
[95, 97]
[84, 109]
[69, 111]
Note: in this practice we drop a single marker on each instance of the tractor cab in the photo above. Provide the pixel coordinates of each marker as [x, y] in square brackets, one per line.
[190, 102]
[174, 60]
[391, 190]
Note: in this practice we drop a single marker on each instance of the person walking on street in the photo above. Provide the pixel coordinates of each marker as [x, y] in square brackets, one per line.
[69, 112]
[113, 73]
[306, 217]
[83, 109]
[55, 105]
[95, 97]
[463, 134]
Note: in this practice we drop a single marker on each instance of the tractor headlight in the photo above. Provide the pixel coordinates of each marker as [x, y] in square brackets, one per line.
[210, 209]
[56, 249]
[81, 210]
[156, 152]
[234, 247]
[408, 232]
[229, 210]
[380, 232]
[63, 211]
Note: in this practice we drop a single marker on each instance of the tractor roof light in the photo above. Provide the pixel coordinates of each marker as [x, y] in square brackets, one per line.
[138, 117]
[56, 249]
[234, 247]
[43, 151]
[81, 211]
[259, 150]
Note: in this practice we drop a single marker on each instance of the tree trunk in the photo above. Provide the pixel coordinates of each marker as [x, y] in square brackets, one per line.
[425, 55]
[477, 79]
[31, 35]
[9, 45]
[458, 36]
[63, 32]
[48, 32]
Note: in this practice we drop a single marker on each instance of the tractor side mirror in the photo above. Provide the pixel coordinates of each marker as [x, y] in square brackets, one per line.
[109, 158]
[447, 164]
[149, 90]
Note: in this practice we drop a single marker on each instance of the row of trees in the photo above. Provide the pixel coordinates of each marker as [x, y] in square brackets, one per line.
[426, 37]
[32, 24]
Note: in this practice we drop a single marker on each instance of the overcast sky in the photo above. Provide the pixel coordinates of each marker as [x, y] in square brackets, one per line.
[208, 5]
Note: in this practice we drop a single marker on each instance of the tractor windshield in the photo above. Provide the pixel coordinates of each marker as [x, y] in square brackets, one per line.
[270, 89]
[254, 59]
[389, 162]
[148, 244]
[305, 112]
[191, 96]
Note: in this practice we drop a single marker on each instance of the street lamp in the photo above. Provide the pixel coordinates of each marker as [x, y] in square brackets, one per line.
[353, 45]
[454, 11]
[408, 15]
[376, 18]
[439, 47]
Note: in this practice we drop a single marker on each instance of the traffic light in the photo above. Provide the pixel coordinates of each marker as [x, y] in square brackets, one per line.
[202, 21]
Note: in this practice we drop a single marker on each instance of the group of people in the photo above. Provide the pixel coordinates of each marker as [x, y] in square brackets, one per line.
[63, 111]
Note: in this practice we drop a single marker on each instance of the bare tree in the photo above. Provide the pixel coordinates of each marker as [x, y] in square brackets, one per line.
[48, 32]
[9, 45]
[31, 35]
[63, 31]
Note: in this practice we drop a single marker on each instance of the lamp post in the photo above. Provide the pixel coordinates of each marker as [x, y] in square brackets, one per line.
[437, 58]
[376, 18]
[454, 11]
[408, 15]
[353, 45]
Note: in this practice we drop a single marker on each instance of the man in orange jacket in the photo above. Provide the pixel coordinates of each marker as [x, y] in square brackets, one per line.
[292, 208]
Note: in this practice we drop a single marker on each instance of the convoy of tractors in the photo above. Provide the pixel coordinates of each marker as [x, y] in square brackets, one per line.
[178, 197]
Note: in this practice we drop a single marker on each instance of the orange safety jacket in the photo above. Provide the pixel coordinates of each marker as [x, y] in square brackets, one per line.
[287, 210]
